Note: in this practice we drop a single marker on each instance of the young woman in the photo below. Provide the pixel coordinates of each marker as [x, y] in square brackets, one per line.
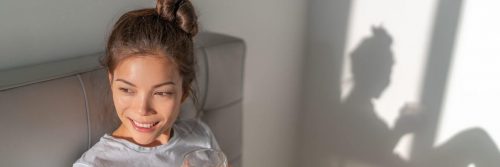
[150, 63]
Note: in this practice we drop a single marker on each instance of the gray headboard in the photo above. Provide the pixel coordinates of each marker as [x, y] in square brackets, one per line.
[53, 112]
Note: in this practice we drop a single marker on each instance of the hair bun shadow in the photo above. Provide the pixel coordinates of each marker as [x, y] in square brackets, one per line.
[180, 12]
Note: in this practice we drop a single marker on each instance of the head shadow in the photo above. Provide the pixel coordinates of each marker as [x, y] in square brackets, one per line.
[372, 62]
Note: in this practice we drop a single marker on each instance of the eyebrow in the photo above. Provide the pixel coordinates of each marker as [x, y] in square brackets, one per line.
[155, 86]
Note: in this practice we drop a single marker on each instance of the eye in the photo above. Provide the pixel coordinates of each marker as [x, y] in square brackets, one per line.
[164, 93]
[125, 90]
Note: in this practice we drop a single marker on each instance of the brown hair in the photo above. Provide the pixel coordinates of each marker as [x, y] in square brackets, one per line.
[167, 30]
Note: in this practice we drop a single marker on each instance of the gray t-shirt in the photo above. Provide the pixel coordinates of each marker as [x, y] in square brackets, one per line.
[110, 151]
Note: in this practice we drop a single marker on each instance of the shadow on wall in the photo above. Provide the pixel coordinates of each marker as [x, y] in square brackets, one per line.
[360, 134]
[361, 137]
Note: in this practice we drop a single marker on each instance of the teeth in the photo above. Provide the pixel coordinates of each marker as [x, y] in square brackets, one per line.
[144, 125]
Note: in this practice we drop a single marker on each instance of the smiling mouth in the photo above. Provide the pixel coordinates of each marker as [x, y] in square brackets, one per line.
[144, 126]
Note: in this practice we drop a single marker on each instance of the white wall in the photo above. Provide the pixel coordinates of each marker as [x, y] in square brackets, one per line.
[33, 31]
[326, 33]
[444, 55]
[274, 32]
[472, 92]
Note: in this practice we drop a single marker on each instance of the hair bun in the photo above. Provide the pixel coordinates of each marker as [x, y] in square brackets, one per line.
[180, 12]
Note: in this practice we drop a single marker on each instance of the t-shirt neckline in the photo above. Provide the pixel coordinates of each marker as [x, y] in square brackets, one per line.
[139, 148]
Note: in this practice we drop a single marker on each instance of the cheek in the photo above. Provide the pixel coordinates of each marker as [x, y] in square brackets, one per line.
[167, 107]
[121, 102]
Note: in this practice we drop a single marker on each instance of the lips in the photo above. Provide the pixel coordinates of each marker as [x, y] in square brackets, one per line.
[144, 126]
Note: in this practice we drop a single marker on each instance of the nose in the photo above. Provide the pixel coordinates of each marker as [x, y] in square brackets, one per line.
[142, 105]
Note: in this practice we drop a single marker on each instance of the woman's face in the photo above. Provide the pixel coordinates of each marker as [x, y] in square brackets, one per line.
[147, 93]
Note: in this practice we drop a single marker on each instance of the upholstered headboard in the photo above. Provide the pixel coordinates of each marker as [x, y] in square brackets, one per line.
[52, 112]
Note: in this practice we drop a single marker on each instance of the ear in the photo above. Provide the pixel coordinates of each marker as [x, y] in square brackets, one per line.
[110, 77]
